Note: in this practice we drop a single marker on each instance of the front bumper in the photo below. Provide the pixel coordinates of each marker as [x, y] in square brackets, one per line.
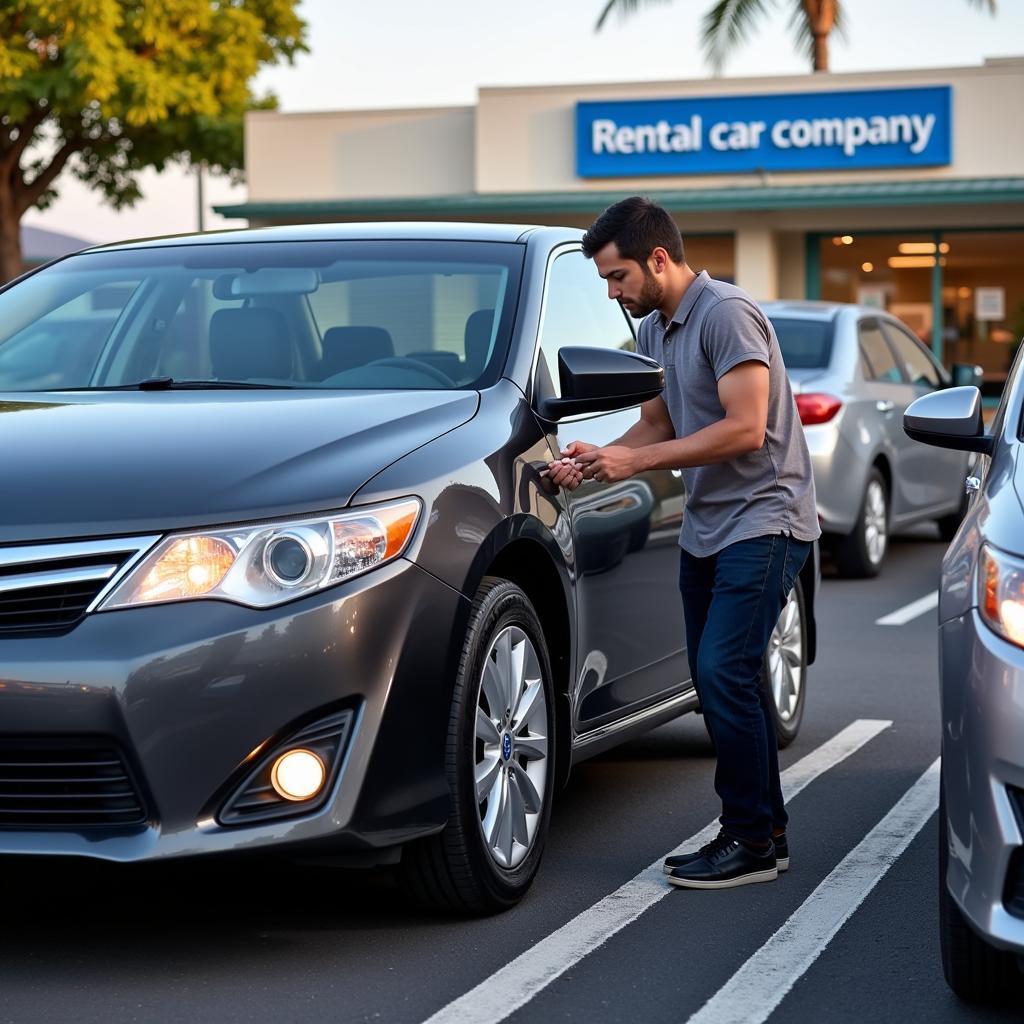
[189, 691]
[982, 760]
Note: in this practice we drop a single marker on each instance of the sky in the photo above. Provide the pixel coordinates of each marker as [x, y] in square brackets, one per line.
[408, 53]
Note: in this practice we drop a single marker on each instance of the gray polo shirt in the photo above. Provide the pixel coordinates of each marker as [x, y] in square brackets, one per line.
[716, 327]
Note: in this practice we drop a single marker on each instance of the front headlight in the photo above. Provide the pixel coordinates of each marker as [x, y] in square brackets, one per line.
[1001, 594]
[268, 564]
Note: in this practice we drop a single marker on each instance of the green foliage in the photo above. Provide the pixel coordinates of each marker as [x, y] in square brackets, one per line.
[110, 87]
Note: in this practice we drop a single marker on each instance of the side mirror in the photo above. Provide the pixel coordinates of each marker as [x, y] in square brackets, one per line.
[949, 419]
[967, 375]
[601, 380]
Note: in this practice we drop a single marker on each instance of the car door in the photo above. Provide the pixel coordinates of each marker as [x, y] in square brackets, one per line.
[934, 477]
[891, 394]
[631, 650]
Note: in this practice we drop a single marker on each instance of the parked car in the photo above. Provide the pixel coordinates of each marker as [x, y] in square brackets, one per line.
[981, 666]
[854, 370]
[280, 565]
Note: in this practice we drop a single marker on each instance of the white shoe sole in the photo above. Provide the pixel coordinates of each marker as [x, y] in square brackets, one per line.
[782, 865]
[755, 876]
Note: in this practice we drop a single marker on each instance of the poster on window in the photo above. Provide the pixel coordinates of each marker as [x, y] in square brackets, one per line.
[989, 303]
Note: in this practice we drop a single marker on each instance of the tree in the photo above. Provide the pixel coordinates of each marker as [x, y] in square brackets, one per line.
[728, 24]
[102, 89]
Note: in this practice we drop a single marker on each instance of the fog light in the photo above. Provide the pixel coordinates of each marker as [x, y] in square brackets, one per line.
[298, 775]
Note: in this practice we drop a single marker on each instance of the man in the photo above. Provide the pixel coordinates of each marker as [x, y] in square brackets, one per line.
[728, 420]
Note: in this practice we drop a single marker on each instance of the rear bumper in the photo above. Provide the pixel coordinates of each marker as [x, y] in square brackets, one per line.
[840, 474]
[190, 692]
[982, 760]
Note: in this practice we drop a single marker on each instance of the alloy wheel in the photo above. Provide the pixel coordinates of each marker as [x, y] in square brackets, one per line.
[785, 659]
[875, 526]
[510, 747]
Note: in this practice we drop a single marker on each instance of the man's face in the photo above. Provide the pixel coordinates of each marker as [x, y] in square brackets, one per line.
[635, 285]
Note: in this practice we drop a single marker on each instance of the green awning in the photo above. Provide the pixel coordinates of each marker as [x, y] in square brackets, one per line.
[937, 191]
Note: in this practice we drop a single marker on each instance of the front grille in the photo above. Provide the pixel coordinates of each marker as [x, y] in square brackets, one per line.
[55, 782]
[47, 588]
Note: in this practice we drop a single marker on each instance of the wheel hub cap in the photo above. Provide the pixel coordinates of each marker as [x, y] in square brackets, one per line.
[785, 657]
[510, 747]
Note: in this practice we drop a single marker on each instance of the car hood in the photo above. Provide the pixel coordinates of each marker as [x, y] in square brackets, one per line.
[111, 463]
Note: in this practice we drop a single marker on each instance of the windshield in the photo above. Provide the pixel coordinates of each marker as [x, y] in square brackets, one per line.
[805, 344]
[335, 315]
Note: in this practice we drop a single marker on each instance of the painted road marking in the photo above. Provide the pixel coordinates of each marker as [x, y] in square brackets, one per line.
[757, 988]
[515, 984]
[902, 616]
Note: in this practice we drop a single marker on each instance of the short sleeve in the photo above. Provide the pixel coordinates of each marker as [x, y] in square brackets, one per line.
[734, 331]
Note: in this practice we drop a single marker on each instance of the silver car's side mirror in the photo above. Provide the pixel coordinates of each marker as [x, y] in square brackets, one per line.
[949, 419]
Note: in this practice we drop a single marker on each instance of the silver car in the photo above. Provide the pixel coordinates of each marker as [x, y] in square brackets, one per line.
[854, 370]
[981, 666]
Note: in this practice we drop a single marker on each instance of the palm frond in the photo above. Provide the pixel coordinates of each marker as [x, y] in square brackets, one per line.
[727, 25]
[623, 8]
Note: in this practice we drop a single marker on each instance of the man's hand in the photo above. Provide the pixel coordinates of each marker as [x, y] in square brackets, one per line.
[566, 472]
[616, 462]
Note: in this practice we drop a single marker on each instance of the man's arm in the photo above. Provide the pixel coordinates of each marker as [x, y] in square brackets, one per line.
[743, 394]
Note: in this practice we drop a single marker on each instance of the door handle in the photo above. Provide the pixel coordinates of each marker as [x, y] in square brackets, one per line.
[972, 485]
[885, 405]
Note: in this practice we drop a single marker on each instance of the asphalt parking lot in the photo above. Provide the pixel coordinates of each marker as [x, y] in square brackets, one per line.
[848, 934]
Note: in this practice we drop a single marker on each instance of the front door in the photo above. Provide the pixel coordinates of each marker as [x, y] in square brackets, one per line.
[630, 627]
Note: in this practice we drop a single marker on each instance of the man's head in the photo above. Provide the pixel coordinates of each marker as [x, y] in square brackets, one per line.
[638, 250]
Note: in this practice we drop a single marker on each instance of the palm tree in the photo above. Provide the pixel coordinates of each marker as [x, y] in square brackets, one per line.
[728, 23]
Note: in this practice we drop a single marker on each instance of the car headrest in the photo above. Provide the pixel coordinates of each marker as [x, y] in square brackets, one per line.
[478, 339]
[348, 347]
[247, 343]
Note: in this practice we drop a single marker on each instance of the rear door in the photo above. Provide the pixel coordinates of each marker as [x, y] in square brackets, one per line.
[630, 628]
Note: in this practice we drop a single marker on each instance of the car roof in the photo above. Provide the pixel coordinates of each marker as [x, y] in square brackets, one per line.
[805, 309]
[384, 230]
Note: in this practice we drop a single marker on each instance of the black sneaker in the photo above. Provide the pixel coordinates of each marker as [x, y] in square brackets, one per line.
[724, 863]
[684, 859]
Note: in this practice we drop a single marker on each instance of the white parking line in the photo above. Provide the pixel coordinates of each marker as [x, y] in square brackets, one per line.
[903, 615]
[757, 988]
[519, 981]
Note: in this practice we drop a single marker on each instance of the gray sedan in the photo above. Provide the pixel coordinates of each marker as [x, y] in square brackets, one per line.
[854, 371]
[981, 663]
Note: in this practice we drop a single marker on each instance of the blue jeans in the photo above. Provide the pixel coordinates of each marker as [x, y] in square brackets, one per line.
[731, 602]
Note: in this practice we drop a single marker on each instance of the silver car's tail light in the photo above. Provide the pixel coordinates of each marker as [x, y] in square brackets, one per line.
[1001, 594]
[815, 407]
[269, 563]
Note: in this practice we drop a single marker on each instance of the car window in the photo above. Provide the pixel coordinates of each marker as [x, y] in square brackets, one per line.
[378, 314]
[877, 360]
[805, 344]
[577, 311]
[917, 364]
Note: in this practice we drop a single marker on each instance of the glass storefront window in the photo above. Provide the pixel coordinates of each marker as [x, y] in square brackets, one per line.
[714, 253]
[982, 289]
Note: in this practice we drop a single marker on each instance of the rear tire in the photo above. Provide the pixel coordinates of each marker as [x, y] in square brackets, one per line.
[784, 672]
[460, 870]
[974, 970]
[860, 554]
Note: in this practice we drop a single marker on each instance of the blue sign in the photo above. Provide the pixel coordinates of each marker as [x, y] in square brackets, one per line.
[774, 132]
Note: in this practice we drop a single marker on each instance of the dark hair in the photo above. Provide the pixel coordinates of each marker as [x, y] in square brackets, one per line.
[638, 226]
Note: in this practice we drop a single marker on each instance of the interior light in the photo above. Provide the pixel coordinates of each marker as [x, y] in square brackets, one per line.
[964, 293]
[867, 267]
[847, 239]
[944, 247]
[913, 262]
[836, 240]
[298, 775]
[916, 248]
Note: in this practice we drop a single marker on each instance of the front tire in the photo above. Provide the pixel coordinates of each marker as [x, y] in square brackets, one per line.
[499, 764]
[784, 672]
[860, 554]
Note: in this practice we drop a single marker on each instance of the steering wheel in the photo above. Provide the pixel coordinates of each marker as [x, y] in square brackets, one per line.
[404, 362]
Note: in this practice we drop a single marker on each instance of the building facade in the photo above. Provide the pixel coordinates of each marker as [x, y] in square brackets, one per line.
[901, 189]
